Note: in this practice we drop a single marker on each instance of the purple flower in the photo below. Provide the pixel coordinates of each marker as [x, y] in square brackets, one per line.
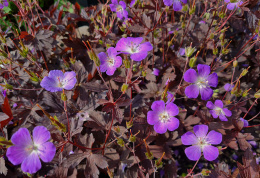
[132, 3]
[182, 51]
[201, 142]
[162, 117]
[110, 62]
[201, 82]
[27, 152]
[233, 4]
[3, 91]
[156, 71]
[244, 121]
[57, 81]
[217, 110]
[3, 3]
[177, 6]
[133, 46]
[119, 8]
[169, 97]
[228, 86]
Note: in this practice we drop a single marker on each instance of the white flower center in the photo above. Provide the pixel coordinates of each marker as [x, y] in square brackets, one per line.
[202, 142]
[110, 62]
[31, 148]
[218, 110]
[202, 83]
[133, 48]
[119, 8]
[164, 117]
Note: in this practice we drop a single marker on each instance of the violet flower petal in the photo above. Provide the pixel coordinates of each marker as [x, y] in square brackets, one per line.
[112, 7]
[219, 103]
[22, 138]
[222, 117]
[193, 152]
[16, 154]
[200, 130]
[173, 124]
[189, 139]
[203, 70]
[160, 127]
[69, 80]
[50, 84]
[138, 56]
[192, 91]
[158, 106]
[177, 5]
[214, 137]
[32, 163]
[172, 109]
[47, 151]
[213, 80]
[168, 2]
[206, 93]
[190, 76]
[227, 112]
[40, 135]
[152, 117]
[213, 113]
[122, 3]
[210, 105]
[210, 152]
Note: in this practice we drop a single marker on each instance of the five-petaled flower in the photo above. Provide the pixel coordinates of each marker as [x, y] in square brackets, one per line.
[201, 82]
[177, 6]
[217, 110]
[133, 46]
[201, 142]
[27, 152]
[119, 8]
[57, 81]
[3, 3]
[162, 117]
[110, 62]
[233, 4]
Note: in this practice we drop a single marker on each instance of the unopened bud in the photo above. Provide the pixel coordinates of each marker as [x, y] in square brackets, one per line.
[192, 62]
[120, 142]
[189, 51]
[235, 63]
[257, 94]
[132, 138]
[244, 72]
[63, 97]
[215, 51]
[124, 88]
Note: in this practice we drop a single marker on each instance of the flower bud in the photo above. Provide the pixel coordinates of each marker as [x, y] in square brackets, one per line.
[120, 142]
[235, 63]
[64, 97]
[132, 138]
[215, 51]
[144, 73]
[192, 62]
[211, 36]
[244, 72]
[124, 88]
[257, 94]
[185, 8]
[189, 51]
[117, 129]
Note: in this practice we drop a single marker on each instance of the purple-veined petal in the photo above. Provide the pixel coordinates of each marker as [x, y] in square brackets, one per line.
[201, 130]
[125, 14]
[193, 152]
[115, 2]
[145, 47]
[120, 14]
[228, 87]
[5, 3]
[134, 40]
[203, 70]
[47, 151]
[118, 61]
[231, 6]
[32, 163]
[173, 124]
[17, 154]
[122, 45]
[40, 135]
[222, 117]
[50, 84]
[123, 5]
[102, 57]
[227, 112]
[227, 1]
[210, 105]
[213, 113]
[190, 76]
[182, 52]
[110, 70]
[172, 109]
[152, 117]
[192, 91]
[112, 7]
[189, 139]
[219, 103]
[206, 93]
[158, 106]
[139, 56]
[213, 80]
[69, 80]
[244, 121]
[132, 3]
[214, 137]
[168, 2]
[177, 6]
[22, 138]
[112, 52]
[55, 74]
[210, 152]
[1, 6]
[184, 1]
[103, 67]
[160, 127]
[156, 71]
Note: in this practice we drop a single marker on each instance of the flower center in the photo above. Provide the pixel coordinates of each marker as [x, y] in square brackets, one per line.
[31, 148]
[119, 8]
[233, 1]
[111, 62]
[164, 117]
[202, 142]
[218, 110]
[134, 48]
[202, 83]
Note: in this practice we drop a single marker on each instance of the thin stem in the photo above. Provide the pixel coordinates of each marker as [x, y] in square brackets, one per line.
[193, 168]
